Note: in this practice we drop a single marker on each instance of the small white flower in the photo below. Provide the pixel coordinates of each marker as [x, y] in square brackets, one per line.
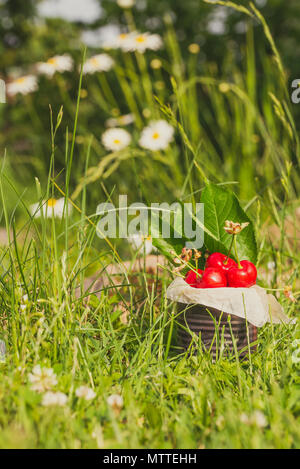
[157, 135]
[118, 41]
[141, 243]
[54, 399]
[116, 139]
[259, 419]
[140, 42]
[85, 393]
[58, 63]
[125, 3]
[53, 207]
[127, 119]
[42, 379]
[115, 401]
[98, 63]
[23, 85]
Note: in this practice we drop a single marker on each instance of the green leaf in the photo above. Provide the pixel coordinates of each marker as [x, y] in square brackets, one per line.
[166, 246]
[176, 241]
[220, 205]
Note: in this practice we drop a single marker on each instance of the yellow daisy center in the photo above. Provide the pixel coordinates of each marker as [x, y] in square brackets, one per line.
[21, 80]
[123, 36]
[140, 39]
[117, 141]
[155, 136]
[52, 202]
[52, 61]
[94, 61]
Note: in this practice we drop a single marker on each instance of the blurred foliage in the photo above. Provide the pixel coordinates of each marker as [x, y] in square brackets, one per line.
[194, 22]
[199, 22]
[227, 53]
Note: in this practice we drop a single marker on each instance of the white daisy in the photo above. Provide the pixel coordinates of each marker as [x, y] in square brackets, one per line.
[141, 243]
[42, 379]
[118, 41]
[157, 135]
[116, 139]
[58, 63]
[115, 401]
[125, 3]
[139, 42]
[23, 85]
[127, 119]
[85, 393]
[54, 399]
[53, 207]
[98, 63]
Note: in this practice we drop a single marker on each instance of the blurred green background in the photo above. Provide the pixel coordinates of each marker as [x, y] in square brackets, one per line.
[233, 49]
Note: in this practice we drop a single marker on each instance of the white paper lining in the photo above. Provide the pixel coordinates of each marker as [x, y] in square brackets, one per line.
[252, 303]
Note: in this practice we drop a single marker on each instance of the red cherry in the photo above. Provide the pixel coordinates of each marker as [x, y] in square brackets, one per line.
[217, 259]
[213, 277]
[192, 278]
[244, 277]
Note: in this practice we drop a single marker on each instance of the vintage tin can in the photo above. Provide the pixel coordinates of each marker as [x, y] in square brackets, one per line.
[211, 325]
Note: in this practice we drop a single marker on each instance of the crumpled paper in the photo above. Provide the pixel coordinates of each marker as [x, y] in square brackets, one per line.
[253, 303]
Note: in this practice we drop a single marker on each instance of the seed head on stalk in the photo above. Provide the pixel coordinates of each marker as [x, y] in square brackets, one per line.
[234, 228]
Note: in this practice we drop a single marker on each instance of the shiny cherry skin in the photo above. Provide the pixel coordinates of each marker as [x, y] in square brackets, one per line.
[192, 278]
[244, 277]
[213, 277]
[217, 259]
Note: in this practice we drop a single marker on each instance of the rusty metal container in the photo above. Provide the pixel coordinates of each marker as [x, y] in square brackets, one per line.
[202, 321]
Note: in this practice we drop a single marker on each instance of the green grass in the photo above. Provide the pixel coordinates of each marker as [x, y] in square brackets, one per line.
[231, 128]
[171, 400]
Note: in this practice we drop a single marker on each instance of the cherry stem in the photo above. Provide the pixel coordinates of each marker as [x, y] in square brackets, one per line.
[229, 251]
[236, 253]
[196, 260]
[191, 267]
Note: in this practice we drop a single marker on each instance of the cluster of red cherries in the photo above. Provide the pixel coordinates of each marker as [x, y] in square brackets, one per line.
[222, 271]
